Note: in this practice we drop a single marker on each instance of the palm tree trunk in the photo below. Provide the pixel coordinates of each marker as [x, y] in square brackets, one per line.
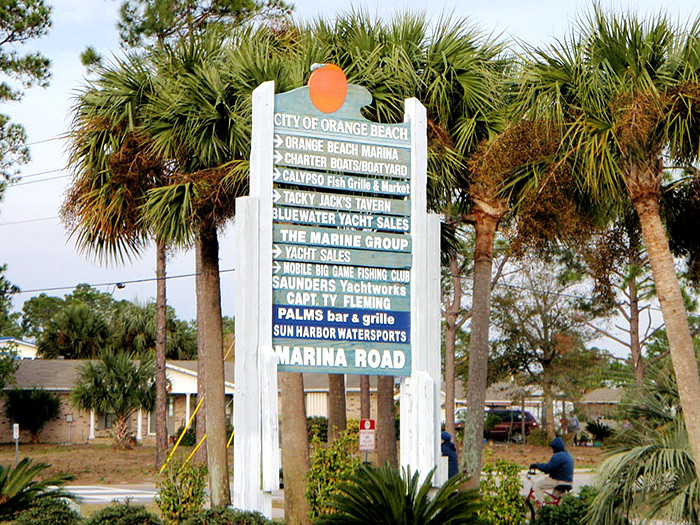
[212, 333]
[161, 384]
[486, 221]
[451, 328]
[675, 316]
[121, 431]
[201, 416]
[635, 346]
[295, 448]
[337, 418]
[364, 397]
[386, 422]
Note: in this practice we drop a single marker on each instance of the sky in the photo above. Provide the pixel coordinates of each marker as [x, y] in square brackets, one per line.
[35, 245]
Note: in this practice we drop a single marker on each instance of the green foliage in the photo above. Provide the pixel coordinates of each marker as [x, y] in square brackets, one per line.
[37, 313]
[571, 510]
[600, 431]
[8, 320]
[500, 493]
[538, 437]
[123, 514]
[227, 517]
[77, 332]
[20, 490]
[49, 511]
[181, 490]
[22, 20]
[116, 384]
[190, 437]
[392, 497]
[329, 466]
[31, 409]
[317, 426]
[163, 20]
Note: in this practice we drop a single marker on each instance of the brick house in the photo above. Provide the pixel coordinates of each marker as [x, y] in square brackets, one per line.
[77, 426]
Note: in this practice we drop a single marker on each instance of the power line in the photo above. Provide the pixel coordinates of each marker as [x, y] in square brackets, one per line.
[117, 283]
[43, 141]
[22, 177]
[28, 221]
[38, 181]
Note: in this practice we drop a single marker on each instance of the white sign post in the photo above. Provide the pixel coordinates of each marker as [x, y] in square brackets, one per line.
[15, 436]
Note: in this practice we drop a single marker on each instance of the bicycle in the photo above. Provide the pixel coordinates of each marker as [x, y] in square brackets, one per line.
[532, 503]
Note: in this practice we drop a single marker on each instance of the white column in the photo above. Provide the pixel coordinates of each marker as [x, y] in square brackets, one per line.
[92, 425]
[420, 400]
[139, 426]
[187, 407]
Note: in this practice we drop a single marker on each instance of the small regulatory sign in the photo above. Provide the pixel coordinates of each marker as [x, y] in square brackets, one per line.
[367, 440]
[15, 431]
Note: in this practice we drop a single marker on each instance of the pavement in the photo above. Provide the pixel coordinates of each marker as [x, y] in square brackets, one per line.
[146, 492]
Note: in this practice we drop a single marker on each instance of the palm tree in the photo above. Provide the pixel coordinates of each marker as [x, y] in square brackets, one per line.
[386, 495]
[620, 92]
[118, 385]
[78, 332]
[649, 469]
[113, 170]
[20, 490]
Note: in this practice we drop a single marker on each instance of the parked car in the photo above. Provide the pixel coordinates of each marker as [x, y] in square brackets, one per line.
[508, 424]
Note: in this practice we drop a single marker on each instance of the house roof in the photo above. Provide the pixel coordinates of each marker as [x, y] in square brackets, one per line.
[603, 395]
[62, 374]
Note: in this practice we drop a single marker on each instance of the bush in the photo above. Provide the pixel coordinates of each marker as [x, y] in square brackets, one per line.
[598, 430]
[31, 409]
[538, 437]
[500, 493]
[227, 517]
[317, 426]
[49, 511]
[329, 466]
[181, 490]
[123, 514]
[570, 511]
[190, 437]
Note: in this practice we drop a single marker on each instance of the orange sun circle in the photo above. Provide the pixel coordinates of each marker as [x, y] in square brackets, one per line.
[328, 88]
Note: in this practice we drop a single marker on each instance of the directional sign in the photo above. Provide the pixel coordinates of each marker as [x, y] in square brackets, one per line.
[335, 181]
[340, 300]
[360, 273]
[314, 254]
[389, 242]
[341, 219]
[342, 202]
[340, 149]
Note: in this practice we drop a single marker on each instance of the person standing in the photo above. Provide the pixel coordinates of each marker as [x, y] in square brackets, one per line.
[573, 426]
[448, 449]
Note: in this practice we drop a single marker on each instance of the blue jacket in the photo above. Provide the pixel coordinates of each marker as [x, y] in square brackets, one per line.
[561, 465]
[448, 449]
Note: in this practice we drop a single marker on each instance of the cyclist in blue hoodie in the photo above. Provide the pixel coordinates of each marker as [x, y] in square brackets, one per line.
[558, 471]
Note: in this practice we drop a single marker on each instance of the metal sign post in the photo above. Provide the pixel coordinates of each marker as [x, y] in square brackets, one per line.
[15, 436]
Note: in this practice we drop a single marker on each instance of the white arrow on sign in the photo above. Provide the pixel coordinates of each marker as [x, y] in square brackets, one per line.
[276, 174]
[278, 141]
[276, 196]
[278, 157]
[276, 251]
[276, 267]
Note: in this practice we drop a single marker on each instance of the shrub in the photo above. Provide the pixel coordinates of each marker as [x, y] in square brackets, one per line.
[49, 511]
[181, 490]
[385, 495]
[538, 437]
[317, 426]
[500, 493]
[123, 514]
[570, 511]
[598, 430]
[190, 437]
[31, 409]
[227, 517]
[329, 466]
[20, 490]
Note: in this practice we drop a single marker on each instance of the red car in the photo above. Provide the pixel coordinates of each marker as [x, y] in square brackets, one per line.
[507, 424]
